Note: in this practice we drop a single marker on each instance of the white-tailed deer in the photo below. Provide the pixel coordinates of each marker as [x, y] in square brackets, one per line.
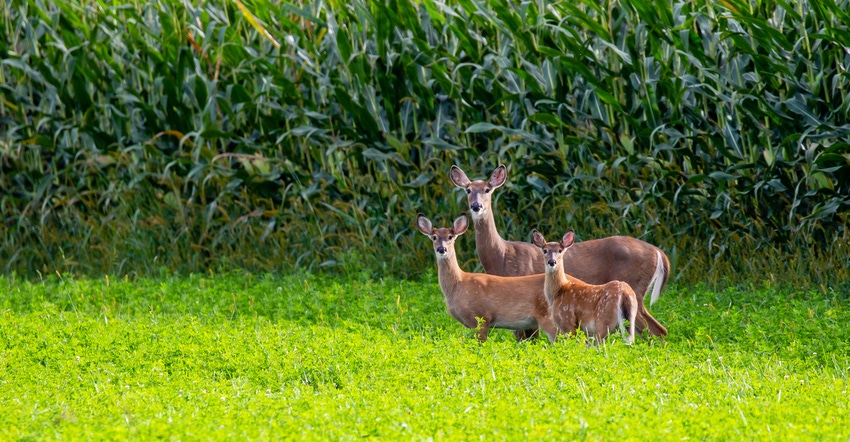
[573, 304]
[597, 261]
[514, 303]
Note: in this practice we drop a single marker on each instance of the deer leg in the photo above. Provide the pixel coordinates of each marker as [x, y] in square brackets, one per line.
[630, 338]
[641, 323]
[522, 335]
[482, 331]
[549, 328]
[645, 319]
[596, 337]
[633, 319]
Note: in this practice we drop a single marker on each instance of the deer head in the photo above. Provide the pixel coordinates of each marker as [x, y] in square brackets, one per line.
[553, 252]
[479, 193]
[443, 238]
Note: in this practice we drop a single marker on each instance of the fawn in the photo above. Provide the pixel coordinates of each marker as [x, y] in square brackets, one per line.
[597, 261]
[514, 303]
[573, 304]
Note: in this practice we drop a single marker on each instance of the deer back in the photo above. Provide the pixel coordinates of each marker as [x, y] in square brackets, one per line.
[514, 258]
[615, 258]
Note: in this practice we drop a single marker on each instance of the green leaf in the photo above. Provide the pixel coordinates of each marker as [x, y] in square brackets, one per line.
[769, 156]
[721, 176]
[819, 181]
[797, 104]
[359, 114]
[212, 133]
[546, 118]
[481, 127]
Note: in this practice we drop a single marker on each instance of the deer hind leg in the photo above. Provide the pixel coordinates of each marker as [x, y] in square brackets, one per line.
[522, 335]
[631, 316]
[655, 328]
[626, 311]
[642, 323]
[627, 334]
[591, 335]
[600, 336]
[620, 317]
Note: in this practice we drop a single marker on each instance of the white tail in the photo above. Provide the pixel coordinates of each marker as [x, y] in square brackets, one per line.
[595, 309]
[659, 278]
[615, 258]
[515, 303]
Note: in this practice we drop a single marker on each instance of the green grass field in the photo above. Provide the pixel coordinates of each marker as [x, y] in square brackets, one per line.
[306, 357]
[163, 138]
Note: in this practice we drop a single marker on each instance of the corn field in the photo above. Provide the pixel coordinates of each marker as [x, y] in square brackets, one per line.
[276, 135]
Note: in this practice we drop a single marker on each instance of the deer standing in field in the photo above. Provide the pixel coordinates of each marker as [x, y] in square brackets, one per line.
[573, 304]
[515, 303]
[596, 261]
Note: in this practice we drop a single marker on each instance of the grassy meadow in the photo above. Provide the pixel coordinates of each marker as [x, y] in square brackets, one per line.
[207, 215]
[307, 357]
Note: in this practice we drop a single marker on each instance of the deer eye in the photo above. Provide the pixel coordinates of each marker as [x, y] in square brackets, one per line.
[451, 236]
[545, 251]
[433, 237]
[486, 190]
[468, 191]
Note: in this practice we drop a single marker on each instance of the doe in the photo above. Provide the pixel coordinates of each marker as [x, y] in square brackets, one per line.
[514, 303]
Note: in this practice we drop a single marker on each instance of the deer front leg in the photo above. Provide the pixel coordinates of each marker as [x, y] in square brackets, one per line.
[482, 330]
[548, 327]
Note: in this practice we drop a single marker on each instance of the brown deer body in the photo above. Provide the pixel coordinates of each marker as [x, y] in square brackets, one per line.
[574, 305]
[514, 303]
[598, 261]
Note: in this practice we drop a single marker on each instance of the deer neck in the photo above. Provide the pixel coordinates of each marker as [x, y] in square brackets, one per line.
[489, 245]
[553, 282]
[449, 273]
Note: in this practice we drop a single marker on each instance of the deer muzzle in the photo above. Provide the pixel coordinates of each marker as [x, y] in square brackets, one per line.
[441, 250]
[475, 207]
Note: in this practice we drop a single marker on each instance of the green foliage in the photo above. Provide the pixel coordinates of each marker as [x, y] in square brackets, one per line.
[310, 357]
[266, 135]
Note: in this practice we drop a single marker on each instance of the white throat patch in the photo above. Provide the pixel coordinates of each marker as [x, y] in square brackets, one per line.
[479, 215]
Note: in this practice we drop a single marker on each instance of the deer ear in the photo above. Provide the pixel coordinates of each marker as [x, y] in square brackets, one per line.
[537, 239]
[499, 176]
[424, 225]
[460, 224]
[568, 239]
[458, 177]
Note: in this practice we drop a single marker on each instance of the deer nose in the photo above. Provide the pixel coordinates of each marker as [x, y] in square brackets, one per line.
[475, 207]
[551, 263]
[441, 250]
